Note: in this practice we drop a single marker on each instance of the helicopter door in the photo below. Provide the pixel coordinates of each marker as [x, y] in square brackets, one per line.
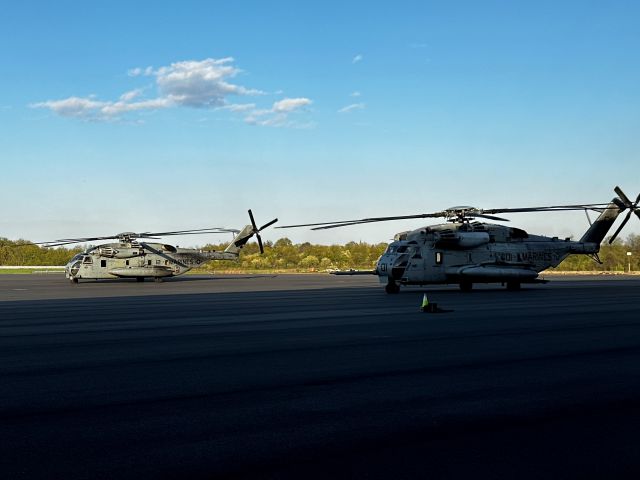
[433, 267]
[421, 269]
[414, 272]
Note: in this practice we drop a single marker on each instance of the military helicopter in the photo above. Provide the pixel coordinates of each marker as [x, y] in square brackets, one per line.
[131, 257]
[466, 251]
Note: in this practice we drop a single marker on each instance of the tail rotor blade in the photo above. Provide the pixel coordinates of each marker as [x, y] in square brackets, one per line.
[268, 224]
[260, 242]
[256, 230]
[632, 206]
[622, 196]
[253, 222]
[624, 222]
[635, 206]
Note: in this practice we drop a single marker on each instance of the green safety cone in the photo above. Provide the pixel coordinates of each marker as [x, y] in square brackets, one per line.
[428, 307]
[425, 303]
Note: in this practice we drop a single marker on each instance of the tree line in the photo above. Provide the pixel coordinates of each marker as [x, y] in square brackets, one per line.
[24, 253]
[284, 255]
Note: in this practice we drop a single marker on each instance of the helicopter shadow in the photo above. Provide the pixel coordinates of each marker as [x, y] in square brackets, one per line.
[200, 278]
[455, 290]
[181, 279]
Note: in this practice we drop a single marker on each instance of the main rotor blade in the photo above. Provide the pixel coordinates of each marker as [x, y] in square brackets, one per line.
[346, 224]
[162, 254]
[549, 208]
[193, 231]
[152, 235]
[489, 217]
[43, 244]
[447, 213]
[355, 222]
[624, 222]
[343, 223]
[68, 241]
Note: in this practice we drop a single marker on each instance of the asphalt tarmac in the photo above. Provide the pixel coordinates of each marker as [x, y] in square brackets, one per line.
[316, 376]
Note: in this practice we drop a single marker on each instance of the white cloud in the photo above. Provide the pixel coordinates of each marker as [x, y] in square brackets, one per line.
[73, 107]
[239, 107]
[278, 114]
[128, 96]
[137, 72]
[352, 107]
[357, 58]
[192, 83]
[90, 109]
[290, 104]
[355, 94]
[200, 84]
[112, 110]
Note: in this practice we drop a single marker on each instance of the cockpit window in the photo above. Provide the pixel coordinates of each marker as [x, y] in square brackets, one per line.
[87, 259]
[391, 249]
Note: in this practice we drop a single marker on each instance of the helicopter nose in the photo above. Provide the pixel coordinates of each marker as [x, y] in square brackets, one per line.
[383, 267]
[390, 265]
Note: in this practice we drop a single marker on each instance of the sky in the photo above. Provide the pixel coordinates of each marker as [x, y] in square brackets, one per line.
[144, 116]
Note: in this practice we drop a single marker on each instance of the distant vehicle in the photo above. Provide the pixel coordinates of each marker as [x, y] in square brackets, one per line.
[466, 251]
[130, 257]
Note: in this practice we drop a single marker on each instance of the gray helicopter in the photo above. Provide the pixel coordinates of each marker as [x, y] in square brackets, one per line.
[466, 251]
[131, 257]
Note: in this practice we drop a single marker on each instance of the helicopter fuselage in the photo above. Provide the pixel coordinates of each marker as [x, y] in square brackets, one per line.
[132, 260]
[472, 252]
[465, 250]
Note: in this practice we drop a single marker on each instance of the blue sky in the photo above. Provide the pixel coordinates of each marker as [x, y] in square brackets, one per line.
[139, 116]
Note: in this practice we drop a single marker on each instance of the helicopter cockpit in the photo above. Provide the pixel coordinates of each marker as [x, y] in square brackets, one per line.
[73, 267]
[396, 257]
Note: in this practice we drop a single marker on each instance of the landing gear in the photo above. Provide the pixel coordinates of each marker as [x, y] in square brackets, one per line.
[158, 279]
[73, 280]
[513, 286]
[392, 287]
[139, 279]
[466, 286]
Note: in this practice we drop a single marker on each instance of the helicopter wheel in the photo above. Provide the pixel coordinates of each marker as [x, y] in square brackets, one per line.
[513, 286]
[392, 287]
[73, 280]
[158, 279]
[466, 286]
[139, 279]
